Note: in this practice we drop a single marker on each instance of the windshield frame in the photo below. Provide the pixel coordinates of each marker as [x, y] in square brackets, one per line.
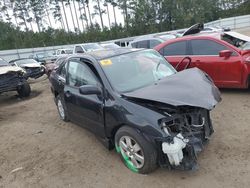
[134, 89]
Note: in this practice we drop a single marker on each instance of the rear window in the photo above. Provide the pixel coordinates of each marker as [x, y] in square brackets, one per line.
[142, 44]
[175, 49]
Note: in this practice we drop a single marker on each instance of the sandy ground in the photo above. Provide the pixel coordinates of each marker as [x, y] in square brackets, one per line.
[50, 153]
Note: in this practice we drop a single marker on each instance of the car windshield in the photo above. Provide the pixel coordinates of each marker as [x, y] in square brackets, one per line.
[111, 46]
[25, 61]
[136, 70]
[92, 47]
[3, 63]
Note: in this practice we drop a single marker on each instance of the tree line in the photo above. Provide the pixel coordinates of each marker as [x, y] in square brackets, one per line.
[139, 17]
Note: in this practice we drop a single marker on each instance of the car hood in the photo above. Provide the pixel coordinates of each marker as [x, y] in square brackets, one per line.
[31, 65]
[7, 69]
[190, 87]
[194, 29]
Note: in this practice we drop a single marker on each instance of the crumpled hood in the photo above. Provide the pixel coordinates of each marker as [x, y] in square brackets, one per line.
[7, 69]
[190, 87]
[31, 65]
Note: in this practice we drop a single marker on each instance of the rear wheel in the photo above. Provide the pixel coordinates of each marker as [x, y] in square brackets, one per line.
[24, 90]
[135, 151]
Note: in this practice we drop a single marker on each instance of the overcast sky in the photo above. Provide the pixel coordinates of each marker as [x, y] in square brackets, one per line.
[119, 18]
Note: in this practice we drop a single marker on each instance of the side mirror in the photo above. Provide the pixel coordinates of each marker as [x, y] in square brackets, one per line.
[225, 53]
[90, 90]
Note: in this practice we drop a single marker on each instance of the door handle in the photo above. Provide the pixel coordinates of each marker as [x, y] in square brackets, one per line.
[197, 62]
[68, 94]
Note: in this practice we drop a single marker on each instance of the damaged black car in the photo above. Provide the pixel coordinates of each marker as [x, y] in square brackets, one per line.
[137, 103]
[12, 79]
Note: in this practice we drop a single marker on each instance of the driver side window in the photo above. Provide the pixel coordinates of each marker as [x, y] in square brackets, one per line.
[80, 74]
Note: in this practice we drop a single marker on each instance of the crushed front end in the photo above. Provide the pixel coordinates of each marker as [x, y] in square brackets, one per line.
[187, 130]
[34, 72]
[10, 81]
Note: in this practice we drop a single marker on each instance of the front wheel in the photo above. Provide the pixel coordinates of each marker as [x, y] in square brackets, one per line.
[135, 151]
[61, 109]
[24, 90]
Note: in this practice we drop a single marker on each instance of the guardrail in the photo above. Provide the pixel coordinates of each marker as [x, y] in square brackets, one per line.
[233, 23]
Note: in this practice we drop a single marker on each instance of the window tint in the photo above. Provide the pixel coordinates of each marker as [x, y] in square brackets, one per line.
[143, 44]
[153, 43]
[78, 49]
[177, 48]
[206, 47]
[134, 45]
[80, 74]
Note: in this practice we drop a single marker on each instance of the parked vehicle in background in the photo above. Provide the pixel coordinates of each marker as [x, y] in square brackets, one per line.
[86, 47]
[133, 100]
[43, 57]
[245, 46]
[32, 68]
[12, 79]
[49, 67]
[150, 41]
[228, 66]
[63, 52]
[214, 29]
[110, 46]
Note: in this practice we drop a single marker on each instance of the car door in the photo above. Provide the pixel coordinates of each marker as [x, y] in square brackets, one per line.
[175, 52]
[224, 71]
[85, 110]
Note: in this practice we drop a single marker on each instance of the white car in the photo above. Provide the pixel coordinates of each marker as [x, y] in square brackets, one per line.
[87, 47]
[32, 68]
[110, 46]
[63, 51]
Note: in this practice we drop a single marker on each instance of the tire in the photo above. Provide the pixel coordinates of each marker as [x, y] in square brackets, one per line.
[24, 90]
[61, 109]
[129, 158]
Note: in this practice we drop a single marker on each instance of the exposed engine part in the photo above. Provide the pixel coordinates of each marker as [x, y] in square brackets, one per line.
[174, 149]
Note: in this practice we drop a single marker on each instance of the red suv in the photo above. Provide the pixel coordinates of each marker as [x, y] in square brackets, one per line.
[227, 65]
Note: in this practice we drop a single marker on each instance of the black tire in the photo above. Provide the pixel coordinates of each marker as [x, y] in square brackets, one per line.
[60, 106]
[24, 90]
[148, 150]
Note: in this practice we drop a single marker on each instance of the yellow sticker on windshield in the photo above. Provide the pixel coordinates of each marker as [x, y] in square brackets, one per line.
[106, 62]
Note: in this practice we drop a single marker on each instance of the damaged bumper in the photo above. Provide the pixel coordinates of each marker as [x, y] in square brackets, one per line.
[186, 136]
[10, 82]
[34, 72]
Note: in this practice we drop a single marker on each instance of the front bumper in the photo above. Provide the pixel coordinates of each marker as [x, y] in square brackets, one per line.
[180, 150]
[10, 82]
[34, 72]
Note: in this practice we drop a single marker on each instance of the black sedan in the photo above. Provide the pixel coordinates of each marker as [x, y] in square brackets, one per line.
[136, 102]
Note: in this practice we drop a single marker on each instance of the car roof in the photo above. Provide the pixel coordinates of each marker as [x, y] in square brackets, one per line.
[108, 53]
[190, 37]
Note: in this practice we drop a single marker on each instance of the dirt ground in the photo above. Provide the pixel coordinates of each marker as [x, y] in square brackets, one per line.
[46, 152]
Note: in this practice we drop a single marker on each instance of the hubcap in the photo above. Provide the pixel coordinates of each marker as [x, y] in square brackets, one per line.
[132, 151]
[60, 109]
